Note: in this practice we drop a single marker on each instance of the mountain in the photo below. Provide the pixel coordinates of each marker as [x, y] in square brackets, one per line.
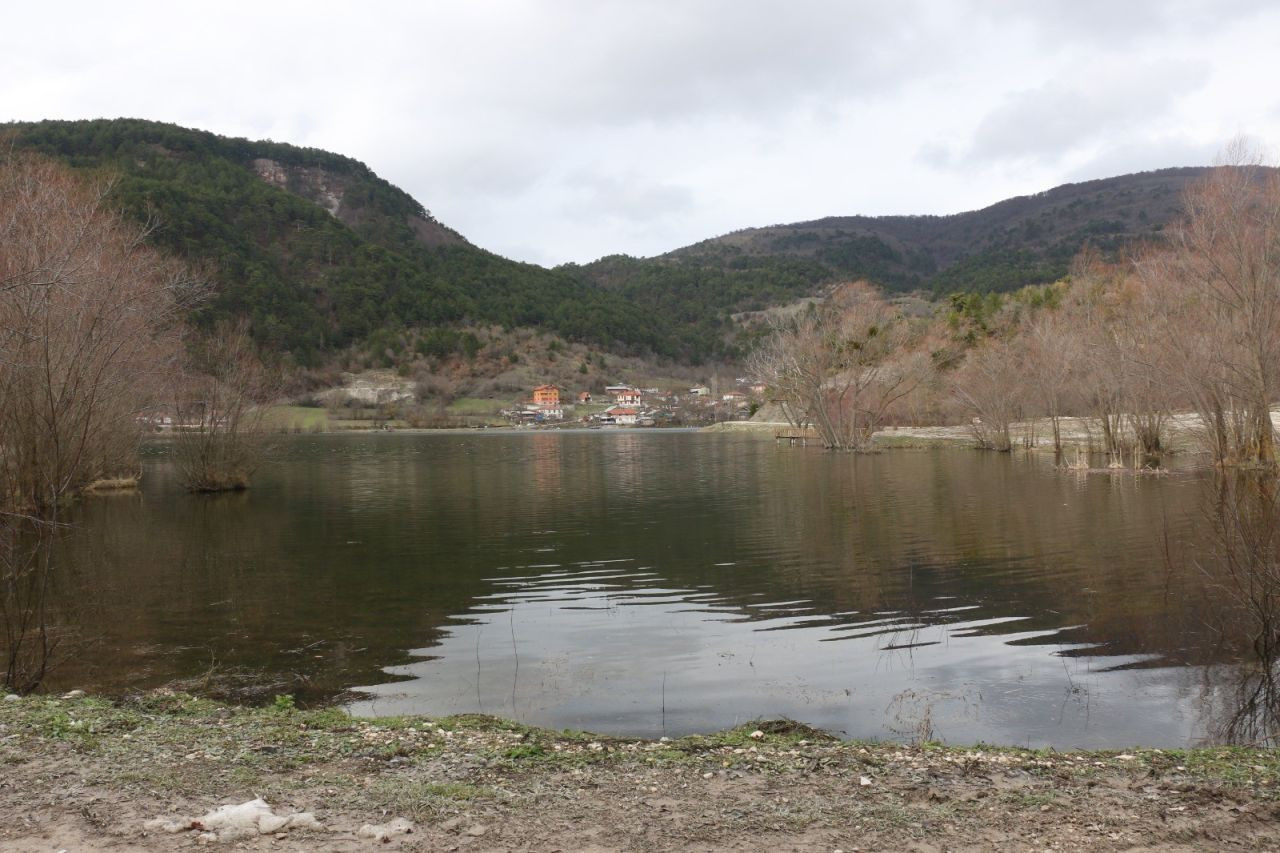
[322, 254]
[1020, 241]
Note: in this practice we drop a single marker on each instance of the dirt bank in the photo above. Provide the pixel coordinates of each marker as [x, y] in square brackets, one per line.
[89, 774]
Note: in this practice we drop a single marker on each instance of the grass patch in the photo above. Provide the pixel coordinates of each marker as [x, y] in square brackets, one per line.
[421, 800]
[475, 406]
[773, 732]
[113, 484]
[296, 419]
[915, 442]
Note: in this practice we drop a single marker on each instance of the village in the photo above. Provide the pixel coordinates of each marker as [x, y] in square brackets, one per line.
[629, 406]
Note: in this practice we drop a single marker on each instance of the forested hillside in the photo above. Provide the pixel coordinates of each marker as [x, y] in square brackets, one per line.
[1020, 241]
[321, 253]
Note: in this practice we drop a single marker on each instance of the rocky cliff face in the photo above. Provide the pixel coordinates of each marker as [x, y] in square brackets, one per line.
[329, 190]
[312, 183]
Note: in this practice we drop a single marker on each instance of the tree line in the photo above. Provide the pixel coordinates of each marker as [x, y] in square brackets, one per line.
[1187, 329]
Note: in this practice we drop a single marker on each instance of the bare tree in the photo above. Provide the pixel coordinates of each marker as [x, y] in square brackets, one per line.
[991, 387]
[841, 365]
[1053, 364]
[1121, 351]
[88, 315]
[221, 407]
[1222, 322]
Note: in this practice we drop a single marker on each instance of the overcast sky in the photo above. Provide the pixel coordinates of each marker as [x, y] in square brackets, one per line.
[563, 131]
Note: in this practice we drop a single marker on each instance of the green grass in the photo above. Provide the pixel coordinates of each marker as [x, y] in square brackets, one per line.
[140, 738]
[476, 406]
[297, 418]
[421, 800]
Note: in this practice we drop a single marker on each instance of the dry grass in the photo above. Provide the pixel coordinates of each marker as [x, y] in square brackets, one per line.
[114, 484]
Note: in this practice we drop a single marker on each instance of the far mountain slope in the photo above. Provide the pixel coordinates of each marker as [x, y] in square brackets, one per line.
[325, 256]
[1020, 241]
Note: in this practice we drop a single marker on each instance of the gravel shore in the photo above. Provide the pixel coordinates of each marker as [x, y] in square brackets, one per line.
[148, 772]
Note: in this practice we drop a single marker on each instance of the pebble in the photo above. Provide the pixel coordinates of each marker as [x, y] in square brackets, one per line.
[12, 697]
[73, 694]
[757, 734]
[478, 830]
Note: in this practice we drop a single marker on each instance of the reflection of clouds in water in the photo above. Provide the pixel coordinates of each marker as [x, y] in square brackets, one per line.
[617, 649]
[753, 578]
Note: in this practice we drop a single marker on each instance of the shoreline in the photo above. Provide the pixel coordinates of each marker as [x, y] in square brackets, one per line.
[1028, 436]
[84, 772]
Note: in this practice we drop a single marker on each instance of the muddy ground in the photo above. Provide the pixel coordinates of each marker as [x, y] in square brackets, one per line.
[85, 773]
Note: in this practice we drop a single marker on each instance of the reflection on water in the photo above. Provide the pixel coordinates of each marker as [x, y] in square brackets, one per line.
[664, 582]
[1241, 561]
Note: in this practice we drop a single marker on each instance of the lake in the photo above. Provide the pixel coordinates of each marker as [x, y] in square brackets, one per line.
[666, 582]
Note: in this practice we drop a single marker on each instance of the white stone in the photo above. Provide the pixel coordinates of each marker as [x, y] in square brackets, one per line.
[385, 831]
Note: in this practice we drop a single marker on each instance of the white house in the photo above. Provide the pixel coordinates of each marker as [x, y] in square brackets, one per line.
[624, 416]
[626, 397]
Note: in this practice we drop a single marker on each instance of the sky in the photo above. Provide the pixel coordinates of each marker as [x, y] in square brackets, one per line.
[565, 130]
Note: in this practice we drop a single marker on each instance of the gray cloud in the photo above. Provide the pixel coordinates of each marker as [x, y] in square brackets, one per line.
[1052, 121]
[633, 197]
[566, 129]
[1143, 155]
[1068, 23]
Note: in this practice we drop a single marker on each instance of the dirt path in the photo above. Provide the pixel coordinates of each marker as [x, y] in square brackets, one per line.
[88, 774]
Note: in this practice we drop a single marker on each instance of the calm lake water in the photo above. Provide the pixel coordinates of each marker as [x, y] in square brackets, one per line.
[663, 582]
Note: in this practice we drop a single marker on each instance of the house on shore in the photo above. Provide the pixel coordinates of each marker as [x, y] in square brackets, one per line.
[626, 396]
[545, 406]
[621, 416]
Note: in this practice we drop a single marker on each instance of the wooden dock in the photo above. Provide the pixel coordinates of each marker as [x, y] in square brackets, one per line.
[793, 436]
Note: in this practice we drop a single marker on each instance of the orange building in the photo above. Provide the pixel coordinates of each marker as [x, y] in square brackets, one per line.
[546, 395]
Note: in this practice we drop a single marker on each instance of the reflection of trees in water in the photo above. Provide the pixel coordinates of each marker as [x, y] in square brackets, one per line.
[334, 570]
[42, 613]
[918, 534]
[1241, 703]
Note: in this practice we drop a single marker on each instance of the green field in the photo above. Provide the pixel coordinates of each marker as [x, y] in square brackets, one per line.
[476, 406]
[297, 419]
